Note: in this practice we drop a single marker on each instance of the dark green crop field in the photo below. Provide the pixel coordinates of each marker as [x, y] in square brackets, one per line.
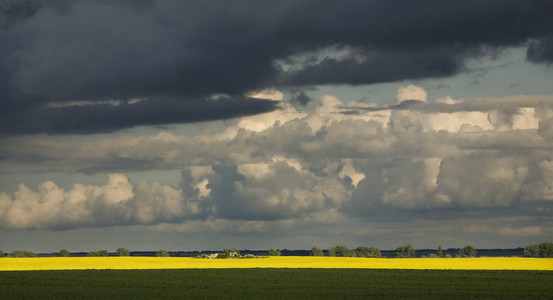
[276, 284]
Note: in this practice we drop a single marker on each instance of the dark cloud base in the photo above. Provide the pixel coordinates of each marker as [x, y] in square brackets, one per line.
[95, 50]
[100, 118]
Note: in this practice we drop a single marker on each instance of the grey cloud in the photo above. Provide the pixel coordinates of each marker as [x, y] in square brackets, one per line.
[120, 164]
[95, 50]
[300, 98]
[506, 105]
[12, 12]
[504, 232]
[403, 39]
[369, 135]
[320, 166]
[165, 52]
[482, 181]
[280, 191]
[107, 117]
[388, 67]
[541, 51]
[109, 51]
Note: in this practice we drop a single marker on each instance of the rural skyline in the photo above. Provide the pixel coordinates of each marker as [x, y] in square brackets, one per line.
[197, 125]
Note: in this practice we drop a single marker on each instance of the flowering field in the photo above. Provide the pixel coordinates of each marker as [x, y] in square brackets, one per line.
[285, 277]
[121, 263]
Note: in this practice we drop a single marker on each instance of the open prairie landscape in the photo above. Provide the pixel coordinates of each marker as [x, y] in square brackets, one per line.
[275, 278]
[350, 149]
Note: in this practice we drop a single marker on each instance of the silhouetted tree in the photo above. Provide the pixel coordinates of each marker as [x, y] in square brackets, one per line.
[440, 252]
[367, 252]
[273, 252]
[22, 253]
[546, 249]
[532, 251]
[405, 251]
[98, 253]
[316, 252]
[162, 253]
[340, 251]
[64, 253]
[468, 251]
[123, 252]
[541, 250]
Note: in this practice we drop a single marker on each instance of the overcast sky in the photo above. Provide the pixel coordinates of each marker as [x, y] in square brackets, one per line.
[197, 125]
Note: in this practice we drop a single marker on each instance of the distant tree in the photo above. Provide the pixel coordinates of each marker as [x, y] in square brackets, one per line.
[467, 251]
[532, 251]
[541, 250]
[64, 253]
[546, 249]
[316, 252]
[22, 253]
[440, 252]
[340, 251]
[361, 251]
[98, 253]
[273, 252]
[1, 253]
[162, 253]
[367, 252]
[123, 252]
[405, 251]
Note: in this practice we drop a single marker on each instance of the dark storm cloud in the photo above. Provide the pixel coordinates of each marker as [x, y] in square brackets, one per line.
[541, 51]
[385, 67]
[96, 50]
[301, 98]
[109, 117]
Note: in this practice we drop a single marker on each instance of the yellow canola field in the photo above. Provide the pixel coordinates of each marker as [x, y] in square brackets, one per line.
[83, 263]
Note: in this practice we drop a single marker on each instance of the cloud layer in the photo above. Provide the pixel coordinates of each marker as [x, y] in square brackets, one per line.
[176, 56]
[451, 162]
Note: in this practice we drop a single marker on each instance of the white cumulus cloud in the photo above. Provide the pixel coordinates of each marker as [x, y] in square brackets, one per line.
[453, 158]
[411, 92]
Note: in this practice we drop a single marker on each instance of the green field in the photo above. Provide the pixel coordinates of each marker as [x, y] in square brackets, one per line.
[276, 284]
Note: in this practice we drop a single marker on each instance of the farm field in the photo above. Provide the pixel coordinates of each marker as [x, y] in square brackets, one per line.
[276, 283]
[275, 277]
[131, 262]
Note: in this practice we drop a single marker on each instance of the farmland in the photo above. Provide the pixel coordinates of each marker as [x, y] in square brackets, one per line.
[276, 283]
[275, 277]
[75, 263]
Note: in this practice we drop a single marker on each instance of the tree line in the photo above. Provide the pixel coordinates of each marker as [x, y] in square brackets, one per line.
[118, 252]
[404, 251]
[67, 253]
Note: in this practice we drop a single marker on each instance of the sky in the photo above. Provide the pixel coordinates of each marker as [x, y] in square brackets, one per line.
[208, 125]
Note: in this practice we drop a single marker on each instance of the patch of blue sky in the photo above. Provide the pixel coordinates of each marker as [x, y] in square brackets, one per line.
[505, 74]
